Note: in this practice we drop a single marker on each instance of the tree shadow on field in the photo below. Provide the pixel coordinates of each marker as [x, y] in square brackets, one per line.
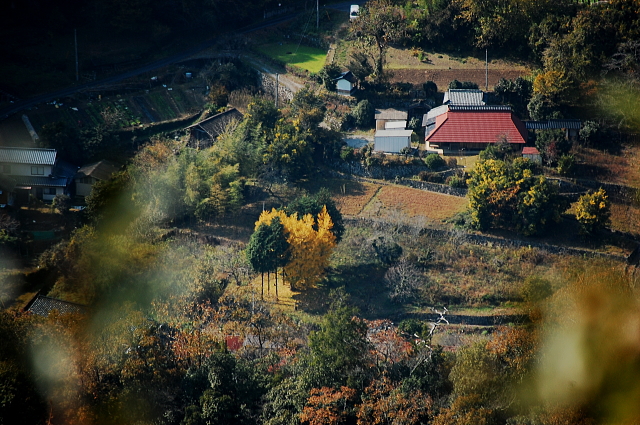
[364, 283]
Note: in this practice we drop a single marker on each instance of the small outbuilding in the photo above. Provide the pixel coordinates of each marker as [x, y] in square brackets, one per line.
[203, 134]
[532, 154]
[384, 116]
[392, 141]
[346, 84]
[90, 174]
[354, 11]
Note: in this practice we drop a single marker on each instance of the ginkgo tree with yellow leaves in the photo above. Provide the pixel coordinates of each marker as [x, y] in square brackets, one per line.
[311, 243]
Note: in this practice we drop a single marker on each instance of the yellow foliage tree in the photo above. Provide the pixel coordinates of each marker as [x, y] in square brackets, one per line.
[311, 243]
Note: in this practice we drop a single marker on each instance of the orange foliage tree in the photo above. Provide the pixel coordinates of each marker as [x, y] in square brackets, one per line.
[327, 406]
[383, 403]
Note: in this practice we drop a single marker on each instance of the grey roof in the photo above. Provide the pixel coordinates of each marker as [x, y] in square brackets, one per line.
[41, 181]
[215, 125]
[433, 113]
[101, 170]
[464, 97]
[42, 306]
[553, 124]
[393, 133]
[347, 75]
[391, 114]
[28, 156]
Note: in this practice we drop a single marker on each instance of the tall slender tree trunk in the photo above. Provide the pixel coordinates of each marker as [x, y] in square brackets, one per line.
[268, 283]
[276, 283]
[262, 294]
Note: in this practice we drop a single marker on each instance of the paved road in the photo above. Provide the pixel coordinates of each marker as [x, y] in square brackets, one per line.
[27, 103]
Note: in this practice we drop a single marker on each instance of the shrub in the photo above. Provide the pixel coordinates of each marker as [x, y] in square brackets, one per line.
[452, 162]
[363, 113]
[566, 165]
[430, 89]
[536, 289]
[347, 153]
[456, 181]
[593, 211]
[429, 176]
[589, 132]
[455, 84]
[434, 161]
[406, 151]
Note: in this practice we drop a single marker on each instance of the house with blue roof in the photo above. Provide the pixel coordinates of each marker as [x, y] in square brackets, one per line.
[31, 172]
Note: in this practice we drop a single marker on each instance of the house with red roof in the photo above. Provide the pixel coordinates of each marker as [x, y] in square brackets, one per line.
[472, 127]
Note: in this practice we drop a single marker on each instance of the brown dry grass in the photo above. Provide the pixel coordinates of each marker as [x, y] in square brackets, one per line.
[350, 196]
[415, 202]
[625, 218]
[404, 59]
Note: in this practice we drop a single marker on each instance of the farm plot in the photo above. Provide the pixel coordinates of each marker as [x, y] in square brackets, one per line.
[309, 58]
[415, 202]
[350, 196]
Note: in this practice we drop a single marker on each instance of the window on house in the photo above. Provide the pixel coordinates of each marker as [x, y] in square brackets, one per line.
[49, 191]
[37, 171]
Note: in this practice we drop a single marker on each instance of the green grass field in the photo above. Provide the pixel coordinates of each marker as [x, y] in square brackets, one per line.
[309, 58]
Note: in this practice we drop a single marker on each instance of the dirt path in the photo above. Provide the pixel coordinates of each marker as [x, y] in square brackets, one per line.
[292, 83]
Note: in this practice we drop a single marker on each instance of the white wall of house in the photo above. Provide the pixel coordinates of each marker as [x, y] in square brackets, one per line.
[83, 186]
[26, 170]
[48, 193]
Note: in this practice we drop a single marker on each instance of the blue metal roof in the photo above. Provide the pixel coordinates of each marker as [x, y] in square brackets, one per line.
[41, 181]
[32, 156]
[553, 124]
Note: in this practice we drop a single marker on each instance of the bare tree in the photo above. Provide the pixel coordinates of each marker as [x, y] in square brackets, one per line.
[403, 280]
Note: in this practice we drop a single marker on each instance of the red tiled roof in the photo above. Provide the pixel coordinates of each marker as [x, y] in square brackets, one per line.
[477, 127]
[530, 151]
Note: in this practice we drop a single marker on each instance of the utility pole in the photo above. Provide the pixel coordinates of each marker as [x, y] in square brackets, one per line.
[486, 69]
[277, 91]
[75, 37]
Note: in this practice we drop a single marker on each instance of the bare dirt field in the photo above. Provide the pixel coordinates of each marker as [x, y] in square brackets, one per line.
[415, 203]
[442, 77]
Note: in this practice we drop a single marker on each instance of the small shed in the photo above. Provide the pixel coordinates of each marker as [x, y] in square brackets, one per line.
[204, 133]
[346, 84]
[532, 154]
[354, 11]
[42, 306]
[90, 174]
[392, 141]
[383, 116]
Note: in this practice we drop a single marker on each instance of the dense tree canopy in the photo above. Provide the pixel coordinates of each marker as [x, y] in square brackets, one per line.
[508, 195]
